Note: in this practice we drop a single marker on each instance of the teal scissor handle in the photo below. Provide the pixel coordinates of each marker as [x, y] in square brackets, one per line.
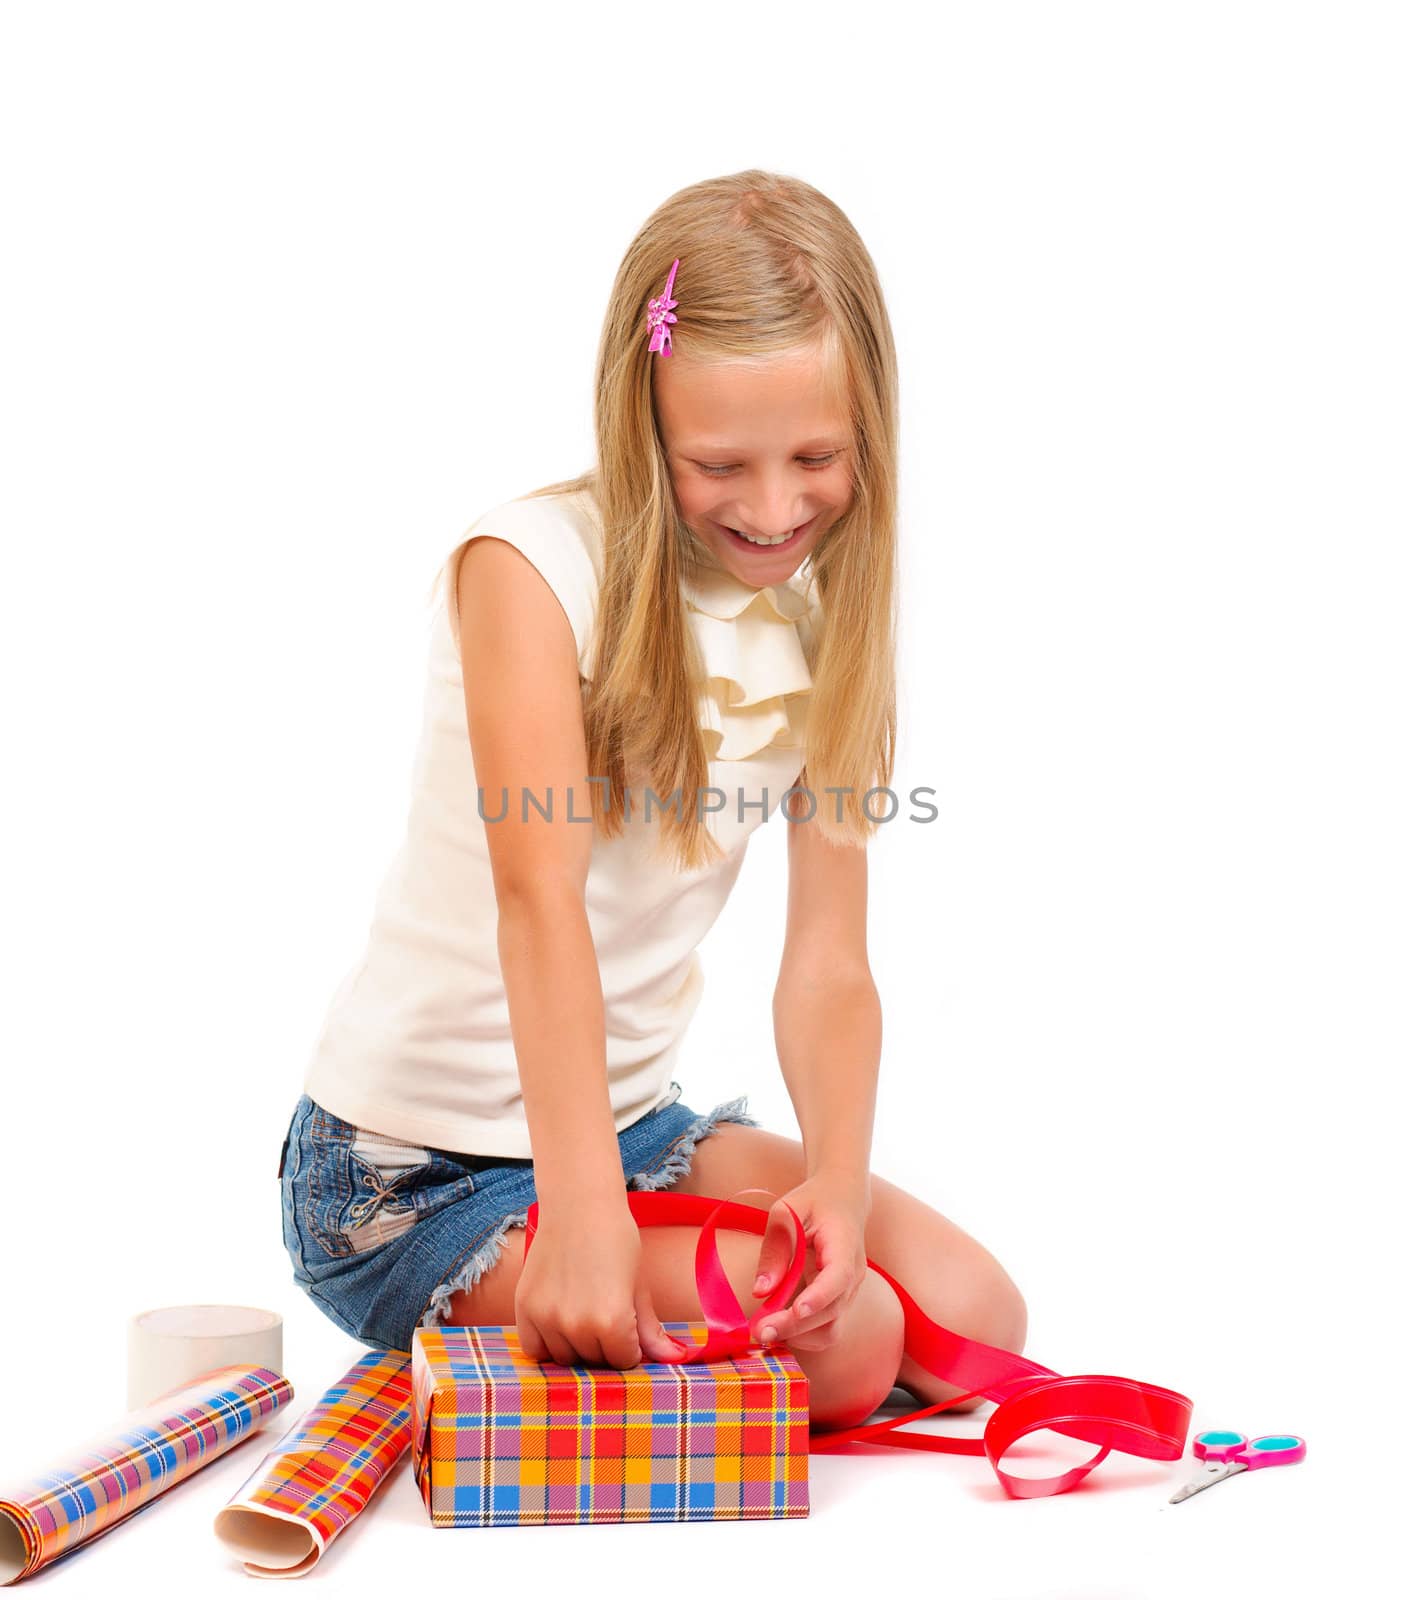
[1267, 1450]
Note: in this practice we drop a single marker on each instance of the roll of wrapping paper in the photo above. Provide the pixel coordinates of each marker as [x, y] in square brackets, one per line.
[99, 1484]
[322, 1473]
[172, 1344]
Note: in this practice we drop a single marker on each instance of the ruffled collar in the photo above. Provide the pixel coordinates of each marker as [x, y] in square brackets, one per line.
[713, 589]
[757, 647]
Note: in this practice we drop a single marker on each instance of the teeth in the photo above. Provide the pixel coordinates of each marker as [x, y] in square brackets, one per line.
[780, 539]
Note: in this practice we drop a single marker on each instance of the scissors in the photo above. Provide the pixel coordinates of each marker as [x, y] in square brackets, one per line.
[1228, 1453]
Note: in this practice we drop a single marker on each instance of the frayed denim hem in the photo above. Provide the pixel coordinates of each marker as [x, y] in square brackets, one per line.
[676, 1163]
[680, 1156]
[482, 1260]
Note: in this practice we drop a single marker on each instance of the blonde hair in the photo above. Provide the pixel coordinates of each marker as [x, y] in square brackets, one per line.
[767, 264]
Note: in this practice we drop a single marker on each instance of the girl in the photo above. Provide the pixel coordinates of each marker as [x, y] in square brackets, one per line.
[628, 672]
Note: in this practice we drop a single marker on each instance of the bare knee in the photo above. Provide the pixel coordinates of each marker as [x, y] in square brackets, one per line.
[998, 1311]
[851, 1378]
[995, 1314]
[990, 1309]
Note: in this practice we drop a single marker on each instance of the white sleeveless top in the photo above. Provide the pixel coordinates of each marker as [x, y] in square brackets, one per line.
[417, 1042]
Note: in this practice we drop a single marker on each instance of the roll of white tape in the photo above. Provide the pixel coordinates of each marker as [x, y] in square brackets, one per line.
[169, 1346]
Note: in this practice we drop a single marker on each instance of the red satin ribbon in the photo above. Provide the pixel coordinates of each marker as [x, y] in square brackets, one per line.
[1140, 1419]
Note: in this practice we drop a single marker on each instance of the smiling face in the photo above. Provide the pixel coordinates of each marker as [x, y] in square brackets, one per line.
[761, 450]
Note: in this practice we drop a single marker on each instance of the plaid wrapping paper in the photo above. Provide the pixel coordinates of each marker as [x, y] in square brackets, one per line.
[499, 1439]
[101, 1483]
[322, 1473]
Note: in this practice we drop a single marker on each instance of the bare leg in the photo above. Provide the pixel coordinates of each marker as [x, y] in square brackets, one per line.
[846, 1382]
[956, 1281]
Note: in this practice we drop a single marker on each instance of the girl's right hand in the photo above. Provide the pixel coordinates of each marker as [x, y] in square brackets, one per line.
[580, 1297]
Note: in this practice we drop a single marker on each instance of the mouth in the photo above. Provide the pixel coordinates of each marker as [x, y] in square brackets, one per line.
[741, 541]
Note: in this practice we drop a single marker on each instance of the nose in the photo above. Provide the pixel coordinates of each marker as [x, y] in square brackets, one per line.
[774, 510]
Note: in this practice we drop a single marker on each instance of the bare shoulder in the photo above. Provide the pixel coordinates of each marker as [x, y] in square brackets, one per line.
[523, 707]
[509, 616]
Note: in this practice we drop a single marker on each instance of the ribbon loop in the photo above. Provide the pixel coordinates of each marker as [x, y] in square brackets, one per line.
[1141, 1419]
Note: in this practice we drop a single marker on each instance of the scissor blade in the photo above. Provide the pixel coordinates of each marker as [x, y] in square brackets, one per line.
[1206, 1478]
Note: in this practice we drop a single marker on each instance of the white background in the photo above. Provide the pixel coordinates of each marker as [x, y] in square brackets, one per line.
[293, 293]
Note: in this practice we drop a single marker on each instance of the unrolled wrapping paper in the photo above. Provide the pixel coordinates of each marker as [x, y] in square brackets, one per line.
[102, 1482]
[322, 1473]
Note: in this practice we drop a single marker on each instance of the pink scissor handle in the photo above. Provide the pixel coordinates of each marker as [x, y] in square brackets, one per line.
[1266, 1450]
[1273, 1450]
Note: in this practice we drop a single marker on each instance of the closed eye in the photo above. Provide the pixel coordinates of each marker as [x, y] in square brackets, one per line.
[811, 463]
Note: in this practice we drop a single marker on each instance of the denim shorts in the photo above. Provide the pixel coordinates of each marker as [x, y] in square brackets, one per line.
[382, 1232]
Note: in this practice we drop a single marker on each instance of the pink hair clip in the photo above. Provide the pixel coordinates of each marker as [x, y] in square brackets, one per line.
[661, 314]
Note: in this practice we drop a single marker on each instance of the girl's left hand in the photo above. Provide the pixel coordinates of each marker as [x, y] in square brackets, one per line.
[833, 1212]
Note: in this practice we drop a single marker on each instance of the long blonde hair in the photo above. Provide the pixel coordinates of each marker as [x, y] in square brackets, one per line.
[767, 264]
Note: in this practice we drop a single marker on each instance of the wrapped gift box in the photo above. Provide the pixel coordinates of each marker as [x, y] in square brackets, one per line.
[498, 1438]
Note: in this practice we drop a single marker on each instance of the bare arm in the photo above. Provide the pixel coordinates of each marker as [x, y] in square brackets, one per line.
[826, 1009]
[523, 702]
[580, 1296]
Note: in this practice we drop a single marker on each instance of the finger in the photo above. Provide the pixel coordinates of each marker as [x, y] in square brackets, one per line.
[622, 1350]
[779, 1324]
[655, 1344]
[778, 1247]
[530, 1340]
[779, 1244]
[822, 1296]
[770, 1258]
[587, 1351]
[559, 1347]
[816, 1302]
